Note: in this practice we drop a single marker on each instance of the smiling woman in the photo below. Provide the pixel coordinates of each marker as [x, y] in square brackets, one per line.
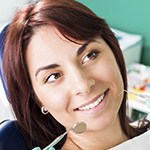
[61, 60]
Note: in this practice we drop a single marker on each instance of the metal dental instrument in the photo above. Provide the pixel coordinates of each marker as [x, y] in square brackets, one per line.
[77, 128]
[146, 100]
[146, 97]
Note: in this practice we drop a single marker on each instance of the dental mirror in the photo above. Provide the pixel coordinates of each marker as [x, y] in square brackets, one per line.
[79, 127]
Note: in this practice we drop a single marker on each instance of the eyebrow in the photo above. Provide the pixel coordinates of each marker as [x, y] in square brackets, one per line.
[79, 52]
[84, 46]
[52, 66]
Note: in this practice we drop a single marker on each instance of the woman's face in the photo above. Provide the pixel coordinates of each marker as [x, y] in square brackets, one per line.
[75, 82]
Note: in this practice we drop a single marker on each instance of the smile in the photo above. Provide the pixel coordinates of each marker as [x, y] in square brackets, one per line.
[93, 104]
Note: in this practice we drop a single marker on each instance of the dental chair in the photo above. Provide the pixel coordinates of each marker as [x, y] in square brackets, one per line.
[10, 136]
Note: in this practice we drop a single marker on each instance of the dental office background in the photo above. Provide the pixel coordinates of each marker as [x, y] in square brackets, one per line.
[131, 17]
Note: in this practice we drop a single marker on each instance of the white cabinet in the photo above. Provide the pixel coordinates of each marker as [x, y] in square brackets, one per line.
[131, 45]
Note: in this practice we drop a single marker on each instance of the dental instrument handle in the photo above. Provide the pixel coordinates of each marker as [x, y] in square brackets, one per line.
[140, 95]
[144, 96]
[77, 128]
[58, 139]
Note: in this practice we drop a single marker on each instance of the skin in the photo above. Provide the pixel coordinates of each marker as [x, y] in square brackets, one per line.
[74, 76]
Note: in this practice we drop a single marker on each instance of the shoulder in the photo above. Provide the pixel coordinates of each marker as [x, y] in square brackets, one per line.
[138, 143]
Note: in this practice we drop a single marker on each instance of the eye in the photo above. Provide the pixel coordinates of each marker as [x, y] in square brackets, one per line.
[53, 77]
[90, 56]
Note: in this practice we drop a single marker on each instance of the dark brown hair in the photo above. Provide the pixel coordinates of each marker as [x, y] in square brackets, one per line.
[75, 22]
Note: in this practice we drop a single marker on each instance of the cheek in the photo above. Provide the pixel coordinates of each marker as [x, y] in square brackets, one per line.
[57, 102]
[108, 71]
[53, 100]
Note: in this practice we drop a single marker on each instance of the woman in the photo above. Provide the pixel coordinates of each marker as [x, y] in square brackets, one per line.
[64, 65]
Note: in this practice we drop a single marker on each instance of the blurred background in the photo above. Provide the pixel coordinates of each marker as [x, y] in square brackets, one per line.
[127, 15]
[7, 10]
[130, 22]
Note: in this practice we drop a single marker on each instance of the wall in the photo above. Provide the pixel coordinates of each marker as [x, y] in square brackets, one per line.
[127, 15]
[7, 8]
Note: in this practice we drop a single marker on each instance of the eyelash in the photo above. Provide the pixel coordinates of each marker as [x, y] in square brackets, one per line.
[56, 76]
[91, 55]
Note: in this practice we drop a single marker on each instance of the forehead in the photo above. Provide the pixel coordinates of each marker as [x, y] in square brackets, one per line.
[46, 44]
[49, 39]
[49, 34]
[52, 34]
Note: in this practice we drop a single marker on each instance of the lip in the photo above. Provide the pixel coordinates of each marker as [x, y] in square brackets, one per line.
[92, 101]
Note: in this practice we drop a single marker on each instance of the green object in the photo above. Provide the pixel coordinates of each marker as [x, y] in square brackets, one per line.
[51, 148]
[148, 103]
[38, 148]
[148, 117]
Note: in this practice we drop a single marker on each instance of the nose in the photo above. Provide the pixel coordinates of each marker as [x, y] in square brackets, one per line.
[82, 83]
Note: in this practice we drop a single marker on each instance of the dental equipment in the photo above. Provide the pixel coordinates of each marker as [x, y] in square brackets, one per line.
[146, 97]
[77, 128]
[146, 100]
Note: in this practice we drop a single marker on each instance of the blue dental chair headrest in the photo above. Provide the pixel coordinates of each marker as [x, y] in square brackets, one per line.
[2, 39]
[10, 135]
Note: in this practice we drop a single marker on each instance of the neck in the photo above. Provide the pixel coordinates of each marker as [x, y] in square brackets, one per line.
[92, 140]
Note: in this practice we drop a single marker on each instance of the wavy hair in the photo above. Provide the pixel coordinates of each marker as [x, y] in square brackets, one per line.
[74, 21]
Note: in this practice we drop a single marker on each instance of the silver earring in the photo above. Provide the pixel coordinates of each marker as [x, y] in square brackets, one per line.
[44, 110]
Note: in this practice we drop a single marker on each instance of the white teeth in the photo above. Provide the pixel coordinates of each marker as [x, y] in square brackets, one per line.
[92, 105]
